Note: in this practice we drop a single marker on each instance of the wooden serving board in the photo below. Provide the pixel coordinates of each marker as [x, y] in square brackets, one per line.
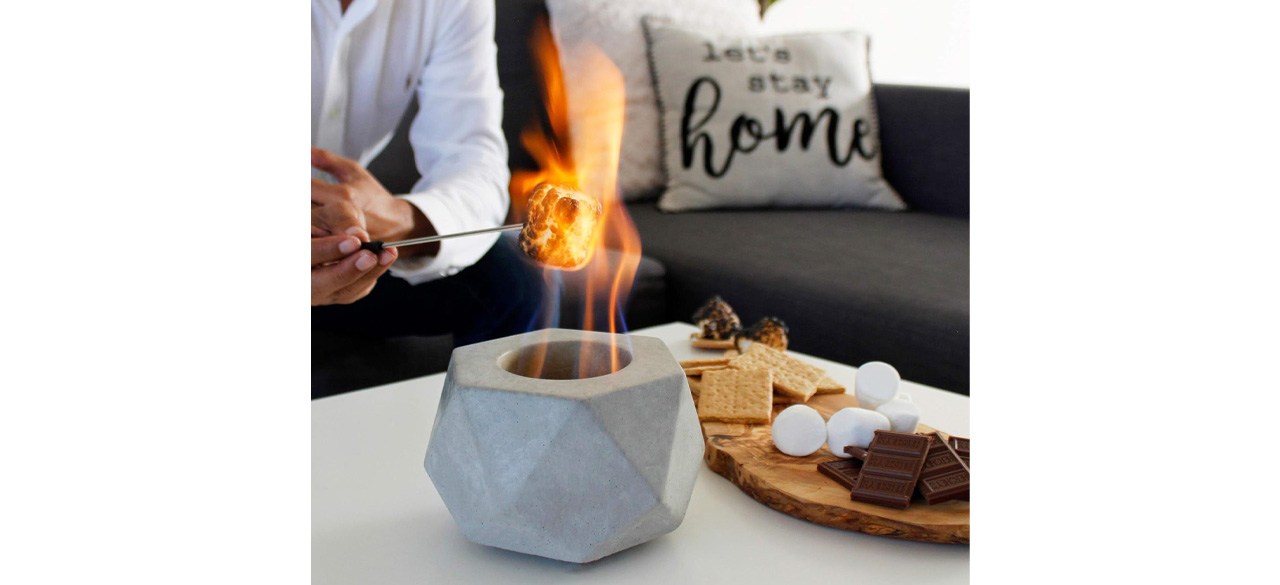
[792, 485]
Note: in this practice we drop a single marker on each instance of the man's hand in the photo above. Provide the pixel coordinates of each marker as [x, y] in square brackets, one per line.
[358, 200]
[336, 217]
[339, 276]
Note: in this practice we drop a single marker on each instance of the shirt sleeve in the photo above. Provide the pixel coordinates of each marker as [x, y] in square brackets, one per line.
[457, 141]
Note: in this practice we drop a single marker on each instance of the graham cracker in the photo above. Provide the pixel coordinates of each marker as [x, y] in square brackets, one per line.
[696, 363]
[736, 396]
[732, 353]
[712, 343]
[790, 375]
[698, 370]
[784, 399]
[698, 341]
[695, 387]
[827, 385]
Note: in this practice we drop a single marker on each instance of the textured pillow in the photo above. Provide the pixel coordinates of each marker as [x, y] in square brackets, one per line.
[614, 27]
[759, 121]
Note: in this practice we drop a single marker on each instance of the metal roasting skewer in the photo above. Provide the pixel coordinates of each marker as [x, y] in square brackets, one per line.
[377, 246]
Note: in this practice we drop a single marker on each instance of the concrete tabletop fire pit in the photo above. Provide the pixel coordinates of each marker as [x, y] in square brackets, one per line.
[540, 447]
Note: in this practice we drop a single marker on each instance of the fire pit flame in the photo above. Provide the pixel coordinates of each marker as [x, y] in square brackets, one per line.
[583, 159]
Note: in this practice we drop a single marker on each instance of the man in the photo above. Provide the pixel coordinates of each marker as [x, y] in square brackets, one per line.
[368, 59]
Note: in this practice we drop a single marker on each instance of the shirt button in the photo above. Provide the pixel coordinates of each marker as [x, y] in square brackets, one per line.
[334, 112]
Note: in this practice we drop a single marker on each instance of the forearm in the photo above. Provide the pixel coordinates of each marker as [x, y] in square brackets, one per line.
[409, 223]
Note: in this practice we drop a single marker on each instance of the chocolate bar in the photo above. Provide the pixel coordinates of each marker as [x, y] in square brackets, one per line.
[857, 453]
[961, 445]
[891, 468]
[944, 476]
[843, 471]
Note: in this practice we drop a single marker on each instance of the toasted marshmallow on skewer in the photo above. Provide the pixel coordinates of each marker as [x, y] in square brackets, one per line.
[562, 228]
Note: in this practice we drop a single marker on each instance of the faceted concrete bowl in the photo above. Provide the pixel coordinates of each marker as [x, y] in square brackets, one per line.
[574, 464]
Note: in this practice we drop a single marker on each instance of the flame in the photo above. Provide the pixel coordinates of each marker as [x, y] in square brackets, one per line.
[550, 151]
[585, 161]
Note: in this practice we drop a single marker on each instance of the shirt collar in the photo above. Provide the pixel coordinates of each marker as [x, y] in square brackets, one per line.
[358, 11]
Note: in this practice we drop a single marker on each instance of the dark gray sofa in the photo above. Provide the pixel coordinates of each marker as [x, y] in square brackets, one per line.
[853, 285]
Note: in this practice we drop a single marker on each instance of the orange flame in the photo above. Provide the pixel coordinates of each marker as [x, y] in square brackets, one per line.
[552, 152]
[586, 161]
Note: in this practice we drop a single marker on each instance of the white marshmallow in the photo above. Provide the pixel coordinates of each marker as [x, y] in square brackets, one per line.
[875, 383]
[853, 427]
[903, 415]
[799, 430]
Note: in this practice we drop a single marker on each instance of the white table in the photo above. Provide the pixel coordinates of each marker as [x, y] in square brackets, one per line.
[377, 519]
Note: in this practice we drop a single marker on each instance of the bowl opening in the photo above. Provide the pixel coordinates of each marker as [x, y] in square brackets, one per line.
[565, 360]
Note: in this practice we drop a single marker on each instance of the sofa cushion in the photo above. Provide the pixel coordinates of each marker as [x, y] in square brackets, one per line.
[766, 121]
[924, 132]
[853, 285]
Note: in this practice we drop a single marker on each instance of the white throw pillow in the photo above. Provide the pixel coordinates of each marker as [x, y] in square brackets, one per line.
[766, 121]
[614, 27]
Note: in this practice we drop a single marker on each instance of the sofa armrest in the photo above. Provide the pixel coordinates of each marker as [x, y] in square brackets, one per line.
[924, 135]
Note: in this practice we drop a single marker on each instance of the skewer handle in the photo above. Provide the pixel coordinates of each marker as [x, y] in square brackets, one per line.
[377, 246]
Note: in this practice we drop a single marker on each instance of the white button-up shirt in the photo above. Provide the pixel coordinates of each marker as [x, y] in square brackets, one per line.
[366, 65]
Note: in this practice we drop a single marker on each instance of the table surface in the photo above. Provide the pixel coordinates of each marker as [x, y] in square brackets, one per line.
[376, 517]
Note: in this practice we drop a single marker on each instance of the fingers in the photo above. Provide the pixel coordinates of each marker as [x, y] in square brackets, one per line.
[365, 284]
[332, 248]
[341, 217]
[351, 279]
[334, 211]
[323, 193]
[342, 168]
